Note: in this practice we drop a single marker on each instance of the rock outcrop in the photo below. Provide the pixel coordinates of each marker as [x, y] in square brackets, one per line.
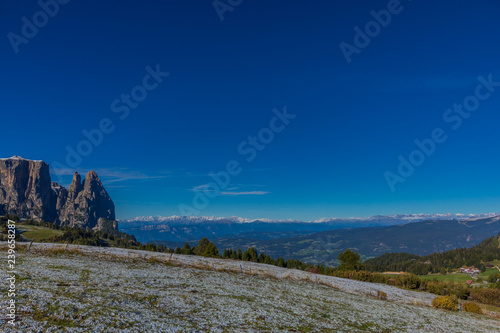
[86, 202]
[26, 190]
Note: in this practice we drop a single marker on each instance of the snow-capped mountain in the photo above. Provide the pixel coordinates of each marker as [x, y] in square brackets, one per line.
[186, 228]
[409, 217]
[18, 158]
[200, 219]
[399, 218]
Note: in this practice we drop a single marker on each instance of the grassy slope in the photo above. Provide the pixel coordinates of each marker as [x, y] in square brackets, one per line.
[458, 278]
[36, 233]
[43, 234]
[488, 272]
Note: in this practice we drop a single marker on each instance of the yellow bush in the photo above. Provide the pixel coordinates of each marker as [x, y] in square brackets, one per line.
[381, 295]
[472, 307]
[445, 303]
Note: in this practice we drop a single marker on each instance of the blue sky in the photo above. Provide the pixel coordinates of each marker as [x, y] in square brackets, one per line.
[225, 78]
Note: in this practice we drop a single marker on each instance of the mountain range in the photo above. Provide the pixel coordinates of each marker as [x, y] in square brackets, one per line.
[377, 219]
[190, 228]
[321, 242]
[421, 238]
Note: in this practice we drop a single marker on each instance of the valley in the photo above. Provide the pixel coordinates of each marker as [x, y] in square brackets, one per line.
[323, 247]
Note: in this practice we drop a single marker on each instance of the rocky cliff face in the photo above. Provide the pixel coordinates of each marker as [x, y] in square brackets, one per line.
[86, 203]
[25, 188]
[27, 191]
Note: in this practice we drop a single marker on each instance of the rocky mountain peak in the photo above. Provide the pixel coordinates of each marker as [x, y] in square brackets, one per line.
[92, 175]
[92, 181]
[76, 184]
[27, 191]
[92, 201]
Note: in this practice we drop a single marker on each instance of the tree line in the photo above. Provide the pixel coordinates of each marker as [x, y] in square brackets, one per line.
[439, 262]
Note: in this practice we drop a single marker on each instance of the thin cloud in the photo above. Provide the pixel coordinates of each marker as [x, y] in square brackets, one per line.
[119, 175]
[201, 188]
[181, 173]
[230, 191]
[108, 175]
[244, 193]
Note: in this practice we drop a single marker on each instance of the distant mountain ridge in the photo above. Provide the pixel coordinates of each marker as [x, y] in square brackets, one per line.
[235, 219]
[26, 190]
[199, 219]
[190, 228]
[323, 246]
[421, 238]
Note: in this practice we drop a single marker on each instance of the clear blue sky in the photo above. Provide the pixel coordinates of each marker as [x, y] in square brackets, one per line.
[353, 119]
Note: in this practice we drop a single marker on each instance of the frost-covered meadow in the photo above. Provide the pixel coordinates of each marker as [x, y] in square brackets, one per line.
[113, 290]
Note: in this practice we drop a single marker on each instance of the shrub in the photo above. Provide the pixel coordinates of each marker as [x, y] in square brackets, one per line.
[380, 278]
[445, 303]
[436, 287]
[486, 296]
[381, 295]
[472, 307]
[461, 292]
[313, 269]
[362, 276]
[391, 282]
[493, 278]
[408, 281]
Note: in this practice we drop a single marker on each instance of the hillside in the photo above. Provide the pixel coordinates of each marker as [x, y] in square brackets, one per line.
[109, 289]
[488, 250]
[46, 232]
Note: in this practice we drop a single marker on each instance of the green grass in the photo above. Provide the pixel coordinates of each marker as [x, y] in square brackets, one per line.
[488, 272]
[36, 233]
[392, 275]
[458, 278]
